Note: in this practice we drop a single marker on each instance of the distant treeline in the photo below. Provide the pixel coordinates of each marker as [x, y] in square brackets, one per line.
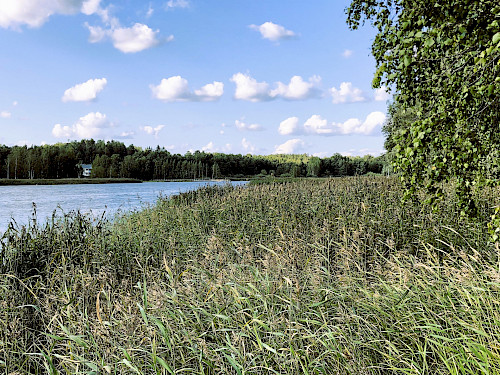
[113, 159]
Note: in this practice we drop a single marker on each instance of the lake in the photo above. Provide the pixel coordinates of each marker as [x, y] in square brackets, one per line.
[16, 202]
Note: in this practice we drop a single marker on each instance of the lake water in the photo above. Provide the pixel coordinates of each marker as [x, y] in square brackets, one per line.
[16, 202]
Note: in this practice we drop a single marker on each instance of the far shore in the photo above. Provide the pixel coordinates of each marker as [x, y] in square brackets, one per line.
[67, 181]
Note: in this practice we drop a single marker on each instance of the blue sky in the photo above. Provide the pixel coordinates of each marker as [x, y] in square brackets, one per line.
[234, 76]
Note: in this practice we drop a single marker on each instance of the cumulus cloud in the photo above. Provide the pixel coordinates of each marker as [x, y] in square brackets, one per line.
[347, 93]
[347, 53]
[289, 126]
[152, 131]
[317, 125]
[14, 14]
[127, 39]
[5, 114]
[362, 152]
[34, 13]
[125, 135]
[176, 89]
[248, 146]
[60, 131]
[84, 92]
[177, 4]
[88, 126]
[210, 92]
[248, 88]
[273, 32]
[240, 125]
[297, 89]
[90, 7]
[134, 39]
[291, 146]
[210, 147]
[381, 94]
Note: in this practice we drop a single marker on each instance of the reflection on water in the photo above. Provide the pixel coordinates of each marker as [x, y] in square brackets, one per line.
[16, 202]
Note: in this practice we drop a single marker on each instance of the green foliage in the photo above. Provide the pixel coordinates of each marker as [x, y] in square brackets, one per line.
[441, 58]
[113, 160]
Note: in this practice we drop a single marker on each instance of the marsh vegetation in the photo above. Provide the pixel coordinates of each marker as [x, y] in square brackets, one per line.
[308, 277]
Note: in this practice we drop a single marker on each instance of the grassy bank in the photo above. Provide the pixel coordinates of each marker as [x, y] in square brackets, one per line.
[67, 181]
[311, 277]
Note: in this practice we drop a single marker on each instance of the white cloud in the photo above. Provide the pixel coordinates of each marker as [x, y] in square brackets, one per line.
[153, 131]
[84, 92]
[134, 39]
[317, 125]
[248, 146]
[362, 152]
[297, 89]
[210, 92]
[34, 13]
[90, 7]
[347, 53]
[60, 131]
[150, 11]
[176, 89]
[381, 94]
[247, 88]
[88, 126]
[347, 94]
[210, 147]
[291, 146]
[97, 33]
[273, 32]
[289, 126]
[125, 135]
[5, 114]
[373, 121]
[240, 125]
[15, 103]
[177, 4]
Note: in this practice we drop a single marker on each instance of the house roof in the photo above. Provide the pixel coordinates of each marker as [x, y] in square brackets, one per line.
[86, 166]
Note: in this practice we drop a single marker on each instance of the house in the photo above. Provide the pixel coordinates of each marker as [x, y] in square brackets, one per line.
[86, 169]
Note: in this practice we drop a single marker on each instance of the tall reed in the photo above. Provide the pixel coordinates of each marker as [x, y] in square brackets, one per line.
[310, 277]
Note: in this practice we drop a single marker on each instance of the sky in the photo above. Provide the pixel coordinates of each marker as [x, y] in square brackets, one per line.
[233, 76]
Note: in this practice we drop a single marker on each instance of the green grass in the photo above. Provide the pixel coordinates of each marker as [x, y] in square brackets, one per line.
[66, 181]
[331, 276]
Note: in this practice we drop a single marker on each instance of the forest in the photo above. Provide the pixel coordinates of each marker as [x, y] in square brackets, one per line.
[113, 159]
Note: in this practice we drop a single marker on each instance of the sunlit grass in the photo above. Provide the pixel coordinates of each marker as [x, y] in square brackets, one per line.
[311, 277]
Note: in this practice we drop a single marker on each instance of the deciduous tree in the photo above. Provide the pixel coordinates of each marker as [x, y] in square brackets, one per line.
[441, 59]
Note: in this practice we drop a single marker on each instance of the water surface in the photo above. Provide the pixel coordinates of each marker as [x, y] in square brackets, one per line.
[16, 202]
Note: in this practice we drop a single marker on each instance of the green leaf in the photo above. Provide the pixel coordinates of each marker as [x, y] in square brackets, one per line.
[496, 38]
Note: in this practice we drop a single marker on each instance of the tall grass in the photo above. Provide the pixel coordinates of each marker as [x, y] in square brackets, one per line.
[322, 277]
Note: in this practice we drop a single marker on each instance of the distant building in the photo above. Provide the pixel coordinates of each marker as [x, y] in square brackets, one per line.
[86, 170]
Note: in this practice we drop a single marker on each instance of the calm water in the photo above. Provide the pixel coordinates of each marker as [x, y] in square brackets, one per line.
[16, 202]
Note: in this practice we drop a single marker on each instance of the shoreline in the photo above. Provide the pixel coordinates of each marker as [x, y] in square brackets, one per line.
[67, 181]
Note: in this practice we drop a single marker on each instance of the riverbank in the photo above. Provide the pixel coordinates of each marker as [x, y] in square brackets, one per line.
[328, 276]
[67, 181]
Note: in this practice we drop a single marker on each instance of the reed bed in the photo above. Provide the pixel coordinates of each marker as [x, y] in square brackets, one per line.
[312, 277]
